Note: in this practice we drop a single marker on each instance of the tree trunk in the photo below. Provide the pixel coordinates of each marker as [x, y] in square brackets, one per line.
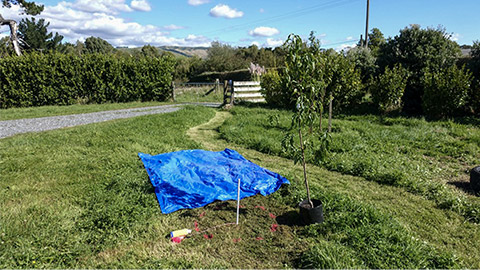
[304, 166]
[13, 34]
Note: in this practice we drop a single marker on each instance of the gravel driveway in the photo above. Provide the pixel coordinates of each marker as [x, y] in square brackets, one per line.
[11, 127]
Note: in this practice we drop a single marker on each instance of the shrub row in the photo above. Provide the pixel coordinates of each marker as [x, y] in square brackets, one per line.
[59, 79]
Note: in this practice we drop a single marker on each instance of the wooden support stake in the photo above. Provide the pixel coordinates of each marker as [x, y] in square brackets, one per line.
[330, 109]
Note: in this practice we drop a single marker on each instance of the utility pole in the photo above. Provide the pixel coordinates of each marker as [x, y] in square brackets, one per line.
[366, 26]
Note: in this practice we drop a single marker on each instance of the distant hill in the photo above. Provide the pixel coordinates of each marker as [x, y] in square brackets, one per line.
[186, 51]
[177, 51]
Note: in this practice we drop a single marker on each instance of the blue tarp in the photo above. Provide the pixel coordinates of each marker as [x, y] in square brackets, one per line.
[195, 178]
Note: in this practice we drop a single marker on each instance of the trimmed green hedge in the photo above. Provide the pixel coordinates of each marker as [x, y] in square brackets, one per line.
[58, 79]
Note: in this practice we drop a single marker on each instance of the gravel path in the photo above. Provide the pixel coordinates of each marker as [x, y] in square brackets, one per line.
[11, 127]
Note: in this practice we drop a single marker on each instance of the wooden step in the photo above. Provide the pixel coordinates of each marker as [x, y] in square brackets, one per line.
[249, 95]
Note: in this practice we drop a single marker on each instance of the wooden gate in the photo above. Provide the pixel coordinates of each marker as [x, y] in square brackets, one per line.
[243, 91]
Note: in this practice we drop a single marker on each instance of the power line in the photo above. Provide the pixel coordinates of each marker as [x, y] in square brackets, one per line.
[342, 42]
[322, 6]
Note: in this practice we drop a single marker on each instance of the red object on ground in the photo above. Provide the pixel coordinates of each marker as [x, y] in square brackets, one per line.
[202, 214]
[272, 215]
[208, 236]
[196, 226]
[274, 227]
[178, 239]
[241, 206]
[261, 207]
[259, 238]
[236, 240]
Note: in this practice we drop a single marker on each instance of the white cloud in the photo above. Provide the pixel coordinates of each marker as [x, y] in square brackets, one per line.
[75, 22]
[263, 31]
[273, 43]
[198, 2]
[262, 10]
[141, 5]
[225, 11]
[171, 27]
[345, 47]
[103, 6]
[349, 38]
[455, 37]
[256, 43]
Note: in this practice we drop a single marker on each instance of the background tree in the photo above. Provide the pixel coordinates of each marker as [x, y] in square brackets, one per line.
[375, 40]
[446, 91]
[223, 57]
[29, 8]
[98, 45]
[387, 89]
[150, 51]
[474, 64]
[416, 50]
[343, 81]
[34, 35]
[364, 61]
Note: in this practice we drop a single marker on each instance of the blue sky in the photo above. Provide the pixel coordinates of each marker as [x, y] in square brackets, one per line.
[337, 23]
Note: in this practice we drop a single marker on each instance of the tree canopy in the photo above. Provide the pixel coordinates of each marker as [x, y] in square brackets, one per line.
[35, 35]
[418, 49]
[30, 7]
[98, 45]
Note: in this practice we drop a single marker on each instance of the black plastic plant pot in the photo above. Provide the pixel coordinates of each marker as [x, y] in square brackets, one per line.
[311, 215]
[475, 179]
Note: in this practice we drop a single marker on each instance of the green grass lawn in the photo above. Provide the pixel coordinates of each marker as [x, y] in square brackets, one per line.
[199, 94]
[432, 159]
[80, 198]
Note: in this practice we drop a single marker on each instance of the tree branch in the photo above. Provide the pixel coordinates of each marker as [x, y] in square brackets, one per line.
[13, 33]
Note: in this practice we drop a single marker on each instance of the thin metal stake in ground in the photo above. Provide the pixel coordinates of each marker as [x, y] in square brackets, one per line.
[238, 200]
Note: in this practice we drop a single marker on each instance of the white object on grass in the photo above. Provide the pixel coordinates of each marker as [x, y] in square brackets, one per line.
[238, 200]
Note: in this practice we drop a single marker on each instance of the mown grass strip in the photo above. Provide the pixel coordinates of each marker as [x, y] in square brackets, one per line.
[414, 154]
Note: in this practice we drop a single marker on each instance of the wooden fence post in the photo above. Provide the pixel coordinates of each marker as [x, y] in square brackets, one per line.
[225, 85]
[232, 94]
[217, 85]
[173, 91]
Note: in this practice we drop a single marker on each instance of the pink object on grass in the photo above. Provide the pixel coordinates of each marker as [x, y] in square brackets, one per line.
[178, 239]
